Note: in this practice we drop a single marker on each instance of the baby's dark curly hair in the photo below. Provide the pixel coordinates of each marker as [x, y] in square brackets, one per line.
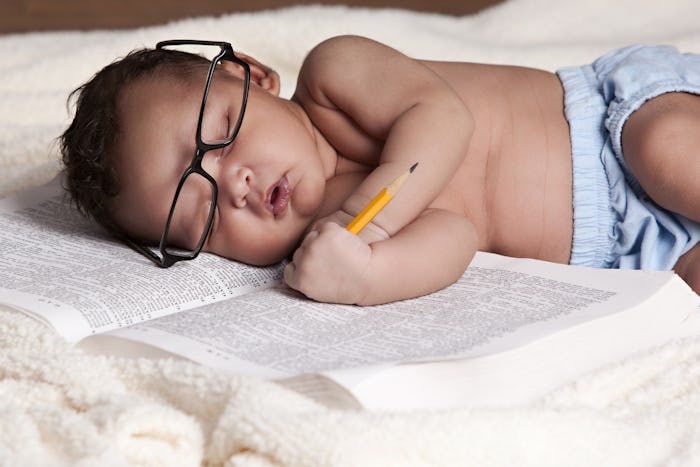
[87, 145]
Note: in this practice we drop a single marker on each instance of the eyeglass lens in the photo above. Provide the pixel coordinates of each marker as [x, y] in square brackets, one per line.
[192, 213]
[222, 107]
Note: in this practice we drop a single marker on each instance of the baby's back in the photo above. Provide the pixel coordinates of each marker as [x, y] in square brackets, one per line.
[515, 183]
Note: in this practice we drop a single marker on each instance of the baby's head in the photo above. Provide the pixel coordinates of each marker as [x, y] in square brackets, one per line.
[134, 134]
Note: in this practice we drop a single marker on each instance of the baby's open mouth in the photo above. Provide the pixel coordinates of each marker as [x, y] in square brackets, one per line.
[278, 197]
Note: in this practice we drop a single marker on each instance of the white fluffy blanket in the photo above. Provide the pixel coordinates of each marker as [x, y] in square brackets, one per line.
[59, 406]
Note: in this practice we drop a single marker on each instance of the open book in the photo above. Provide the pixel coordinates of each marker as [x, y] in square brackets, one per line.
[507, 332]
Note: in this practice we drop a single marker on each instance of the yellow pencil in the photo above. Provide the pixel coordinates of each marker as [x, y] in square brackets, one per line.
[378, 203]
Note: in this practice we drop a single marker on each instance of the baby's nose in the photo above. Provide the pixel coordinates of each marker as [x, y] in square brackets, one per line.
[238, 181]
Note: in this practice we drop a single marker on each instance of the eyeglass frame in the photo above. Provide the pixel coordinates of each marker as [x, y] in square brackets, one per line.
[167, 259]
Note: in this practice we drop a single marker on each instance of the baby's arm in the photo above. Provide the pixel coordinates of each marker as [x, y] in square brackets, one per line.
[333, 265]
[385, 110]
[388, 111]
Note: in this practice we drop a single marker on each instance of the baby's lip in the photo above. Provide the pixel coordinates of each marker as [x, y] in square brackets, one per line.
[277, 197]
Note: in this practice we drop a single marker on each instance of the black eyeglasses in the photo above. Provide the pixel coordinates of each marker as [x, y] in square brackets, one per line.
[196, 188]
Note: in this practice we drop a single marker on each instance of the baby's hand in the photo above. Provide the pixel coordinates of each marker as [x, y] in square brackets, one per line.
[330, 265]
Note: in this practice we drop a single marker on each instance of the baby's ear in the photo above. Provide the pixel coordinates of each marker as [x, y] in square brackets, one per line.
[260, 74]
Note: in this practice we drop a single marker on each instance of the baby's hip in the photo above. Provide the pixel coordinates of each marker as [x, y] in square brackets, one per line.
[615, 222]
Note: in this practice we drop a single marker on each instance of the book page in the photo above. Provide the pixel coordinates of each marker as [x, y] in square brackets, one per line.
[498, 304]
[59, 266]
[521, 375]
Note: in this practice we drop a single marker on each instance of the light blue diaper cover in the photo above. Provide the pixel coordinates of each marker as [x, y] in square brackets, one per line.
[616, 225]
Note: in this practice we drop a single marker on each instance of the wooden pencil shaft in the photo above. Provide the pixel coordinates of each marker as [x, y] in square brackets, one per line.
[369, 211]
[378, 202]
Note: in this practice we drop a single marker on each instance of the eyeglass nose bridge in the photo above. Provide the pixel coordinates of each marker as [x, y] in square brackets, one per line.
[202, 164]
[197, 166]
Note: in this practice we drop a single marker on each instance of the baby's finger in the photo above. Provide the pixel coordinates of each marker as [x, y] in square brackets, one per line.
[289, 275]
[310, 237]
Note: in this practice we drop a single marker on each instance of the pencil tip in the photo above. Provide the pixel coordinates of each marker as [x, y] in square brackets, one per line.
[413, 167]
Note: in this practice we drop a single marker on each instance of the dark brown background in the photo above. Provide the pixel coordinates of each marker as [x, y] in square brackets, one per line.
[31, 15]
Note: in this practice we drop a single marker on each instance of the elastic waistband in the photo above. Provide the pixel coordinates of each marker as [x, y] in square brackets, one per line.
[585, 110]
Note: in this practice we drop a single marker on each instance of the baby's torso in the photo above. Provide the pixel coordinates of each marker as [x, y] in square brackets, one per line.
[515, 182]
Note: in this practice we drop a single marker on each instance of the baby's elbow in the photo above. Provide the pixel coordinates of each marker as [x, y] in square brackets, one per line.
[457, 243]
[465, 246]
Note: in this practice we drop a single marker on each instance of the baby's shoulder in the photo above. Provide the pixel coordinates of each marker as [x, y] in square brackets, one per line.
[336, 51]
[348, 62]
[329, 55]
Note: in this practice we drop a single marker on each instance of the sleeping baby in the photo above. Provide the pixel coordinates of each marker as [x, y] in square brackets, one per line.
[596, 165]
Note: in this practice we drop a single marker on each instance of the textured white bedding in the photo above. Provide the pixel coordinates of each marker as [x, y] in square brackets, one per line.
[59, 406]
